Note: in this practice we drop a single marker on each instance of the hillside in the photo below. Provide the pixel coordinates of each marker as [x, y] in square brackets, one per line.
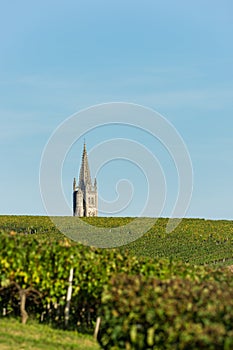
[196, 241]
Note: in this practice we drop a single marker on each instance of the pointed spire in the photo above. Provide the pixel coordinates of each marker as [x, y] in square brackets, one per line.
[84, 175]
[74, 184]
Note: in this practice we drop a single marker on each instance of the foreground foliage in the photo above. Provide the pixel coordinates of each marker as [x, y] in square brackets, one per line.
[34, 277]
[178, 313]
[143, 302]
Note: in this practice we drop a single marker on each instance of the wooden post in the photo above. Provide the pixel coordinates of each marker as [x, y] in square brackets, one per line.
[97, 327]
[23, 312]
[68, 297]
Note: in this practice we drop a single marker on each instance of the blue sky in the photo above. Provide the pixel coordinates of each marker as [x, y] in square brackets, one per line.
[58, 57]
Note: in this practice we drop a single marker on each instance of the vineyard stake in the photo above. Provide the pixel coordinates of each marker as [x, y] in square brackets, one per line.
[97, 327]
[68, 297]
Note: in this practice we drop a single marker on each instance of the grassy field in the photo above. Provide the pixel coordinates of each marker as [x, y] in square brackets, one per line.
[33, 336]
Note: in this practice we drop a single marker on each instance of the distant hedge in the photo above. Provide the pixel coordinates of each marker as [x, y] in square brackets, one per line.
[140, 313]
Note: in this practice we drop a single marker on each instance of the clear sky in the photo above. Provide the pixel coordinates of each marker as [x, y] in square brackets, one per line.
[58, 57]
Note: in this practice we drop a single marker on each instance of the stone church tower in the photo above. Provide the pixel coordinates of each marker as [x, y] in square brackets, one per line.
[85, 197]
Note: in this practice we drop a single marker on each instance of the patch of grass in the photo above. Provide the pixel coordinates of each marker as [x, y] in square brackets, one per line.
[34, 336]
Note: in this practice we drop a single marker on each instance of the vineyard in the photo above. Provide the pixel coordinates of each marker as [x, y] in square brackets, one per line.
[196, 241]
[161, 291]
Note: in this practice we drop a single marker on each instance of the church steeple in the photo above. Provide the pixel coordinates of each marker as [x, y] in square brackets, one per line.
[84, 175]
[85, 196]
